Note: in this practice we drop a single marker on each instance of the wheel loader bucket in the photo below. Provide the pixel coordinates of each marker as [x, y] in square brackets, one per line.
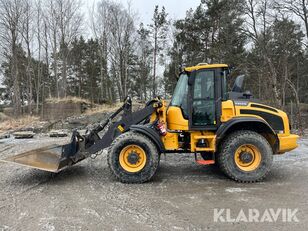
[48, 158]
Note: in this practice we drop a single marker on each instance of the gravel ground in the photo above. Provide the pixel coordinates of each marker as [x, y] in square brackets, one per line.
[182, 195]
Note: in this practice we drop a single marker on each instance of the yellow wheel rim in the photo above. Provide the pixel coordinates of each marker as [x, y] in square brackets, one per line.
[247, 157]
[132, 158]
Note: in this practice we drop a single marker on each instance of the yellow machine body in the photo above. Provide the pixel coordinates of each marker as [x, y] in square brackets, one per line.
[173, 117]
[176, 122]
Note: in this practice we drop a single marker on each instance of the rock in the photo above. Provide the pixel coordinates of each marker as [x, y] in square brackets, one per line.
[26, 129]
[4, 135]
[23, 135]
[42, 127]
[58, 133]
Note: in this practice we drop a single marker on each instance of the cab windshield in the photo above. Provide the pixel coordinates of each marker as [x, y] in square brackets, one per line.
[179, 98]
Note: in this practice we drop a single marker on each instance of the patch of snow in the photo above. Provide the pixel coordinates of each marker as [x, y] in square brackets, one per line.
[177, 228]
[22, 215]
[235, 190]
[4, 227]
[48, 227]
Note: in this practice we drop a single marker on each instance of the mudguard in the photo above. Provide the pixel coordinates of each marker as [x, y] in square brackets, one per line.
[223, 129]
[150, 133]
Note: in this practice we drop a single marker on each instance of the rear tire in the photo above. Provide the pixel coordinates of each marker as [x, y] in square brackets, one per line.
[245, 156]
[147, 160]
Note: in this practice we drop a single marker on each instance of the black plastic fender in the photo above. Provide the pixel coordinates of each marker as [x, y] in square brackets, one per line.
[223, 129]
[150, 133]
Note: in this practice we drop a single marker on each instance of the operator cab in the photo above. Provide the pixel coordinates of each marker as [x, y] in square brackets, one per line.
[196, 102]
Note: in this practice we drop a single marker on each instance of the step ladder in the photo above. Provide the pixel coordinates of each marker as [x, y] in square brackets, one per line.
[204, 162]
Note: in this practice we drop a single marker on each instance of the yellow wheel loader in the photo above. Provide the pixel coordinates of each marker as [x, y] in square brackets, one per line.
[230, 129]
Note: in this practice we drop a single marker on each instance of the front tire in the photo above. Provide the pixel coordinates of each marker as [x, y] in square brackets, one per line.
[133, 158]
[245, 156]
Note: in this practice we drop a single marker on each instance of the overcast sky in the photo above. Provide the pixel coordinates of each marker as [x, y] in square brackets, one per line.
[145, 8]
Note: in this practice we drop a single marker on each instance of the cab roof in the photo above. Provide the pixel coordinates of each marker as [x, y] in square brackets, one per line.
[205, 66]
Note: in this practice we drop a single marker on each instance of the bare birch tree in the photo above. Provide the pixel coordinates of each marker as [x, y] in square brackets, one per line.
[99, 22]
[64, 23]
[69, 21]
[297, 7]
[121, 45]
[39, 23]
[27, 34]
[11, 13]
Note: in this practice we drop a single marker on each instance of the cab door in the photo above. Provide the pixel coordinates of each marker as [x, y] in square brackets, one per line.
[204, 99]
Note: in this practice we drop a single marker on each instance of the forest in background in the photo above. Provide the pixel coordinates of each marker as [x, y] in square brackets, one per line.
[51, 48]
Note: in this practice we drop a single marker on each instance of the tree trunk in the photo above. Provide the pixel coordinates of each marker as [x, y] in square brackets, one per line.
[274, 82]
[39, 74]
[55, 63]
[154, 62]
[29, 75]
[64, 75]
[284, 85]
[15, 76]
[299, 114]
[305, 15]
[64, 56]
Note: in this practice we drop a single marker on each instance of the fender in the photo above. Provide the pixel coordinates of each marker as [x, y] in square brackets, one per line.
[151, 134]
[223, 129]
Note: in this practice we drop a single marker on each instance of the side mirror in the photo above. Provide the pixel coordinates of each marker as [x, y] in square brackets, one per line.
[238, 84]
[247, 94]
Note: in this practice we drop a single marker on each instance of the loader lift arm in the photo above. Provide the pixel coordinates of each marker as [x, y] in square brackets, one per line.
[57, 157]
[91, 143]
